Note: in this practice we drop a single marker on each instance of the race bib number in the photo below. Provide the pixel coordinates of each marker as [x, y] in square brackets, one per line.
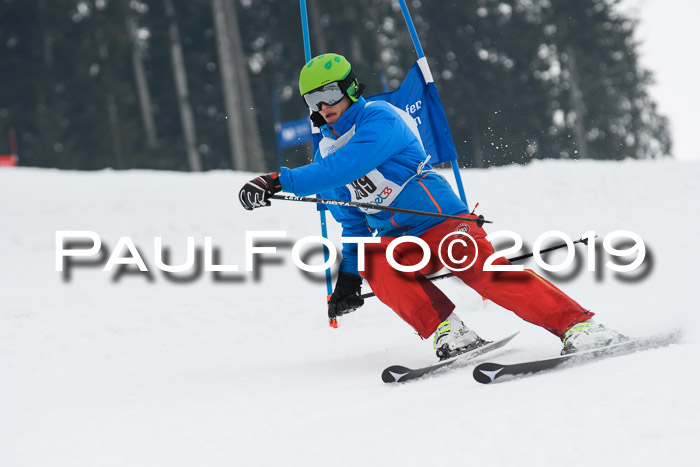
[373, 188]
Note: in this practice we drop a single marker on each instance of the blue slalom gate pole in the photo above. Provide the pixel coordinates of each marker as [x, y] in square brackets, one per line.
[324, 228]
[419, 50]
[305, 30]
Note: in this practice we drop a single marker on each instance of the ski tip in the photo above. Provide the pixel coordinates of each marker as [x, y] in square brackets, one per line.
[487, 372]
[510, 338]
[394, 374]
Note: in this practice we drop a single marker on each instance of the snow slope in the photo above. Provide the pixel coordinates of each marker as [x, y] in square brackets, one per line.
[127, 371]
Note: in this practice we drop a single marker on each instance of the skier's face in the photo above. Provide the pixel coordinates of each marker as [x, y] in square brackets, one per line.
[331, 113]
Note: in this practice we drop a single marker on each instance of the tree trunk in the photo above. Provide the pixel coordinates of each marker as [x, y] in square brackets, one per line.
[142, 86]
[114, 130]
[183, 98]
[110, 101]
[234, 121]
[316, 28]
[575, 95]
[357, 55]
[577, 105]
[46, 110]
[252, 141]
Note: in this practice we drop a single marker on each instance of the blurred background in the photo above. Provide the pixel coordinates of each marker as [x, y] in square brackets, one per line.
[200, 84]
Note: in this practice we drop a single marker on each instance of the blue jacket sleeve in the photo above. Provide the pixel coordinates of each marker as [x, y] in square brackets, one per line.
[379, 135]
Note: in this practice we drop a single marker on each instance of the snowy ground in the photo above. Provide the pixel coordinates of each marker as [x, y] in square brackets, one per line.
[127, 371]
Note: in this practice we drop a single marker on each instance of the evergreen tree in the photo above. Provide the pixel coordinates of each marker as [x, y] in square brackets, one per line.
[518, 79]
[602, 109]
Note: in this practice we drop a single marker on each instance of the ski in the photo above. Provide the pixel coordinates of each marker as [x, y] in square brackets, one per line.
[401, 374]
[489, 372]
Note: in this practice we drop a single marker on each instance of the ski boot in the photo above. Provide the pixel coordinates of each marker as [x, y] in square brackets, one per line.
[452, 338]
[589, 335]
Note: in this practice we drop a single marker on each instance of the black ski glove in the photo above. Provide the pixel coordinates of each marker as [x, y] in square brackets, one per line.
[257, 192]
[346, 296]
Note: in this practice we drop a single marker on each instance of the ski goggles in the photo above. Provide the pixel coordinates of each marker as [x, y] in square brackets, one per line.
[330, 94]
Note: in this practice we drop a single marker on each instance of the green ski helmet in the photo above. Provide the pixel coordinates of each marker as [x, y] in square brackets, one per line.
[329, 68]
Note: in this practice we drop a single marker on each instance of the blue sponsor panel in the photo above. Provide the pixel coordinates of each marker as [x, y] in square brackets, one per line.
[422, 102]
[293, 133]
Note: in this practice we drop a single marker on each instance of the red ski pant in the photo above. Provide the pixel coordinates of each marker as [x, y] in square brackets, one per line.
[423, 305]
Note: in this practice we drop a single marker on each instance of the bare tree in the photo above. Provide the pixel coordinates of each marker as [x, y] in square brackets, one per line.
[142, 85]
[183, 99]
[236, 132]
[316, 27]
[576, 101]
[110, 99]
[252, 141]
[46, 111]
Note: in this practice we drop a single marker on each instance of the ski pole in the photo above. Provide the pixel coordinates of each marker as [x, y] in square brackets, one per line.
[512, 260]
[480, 221]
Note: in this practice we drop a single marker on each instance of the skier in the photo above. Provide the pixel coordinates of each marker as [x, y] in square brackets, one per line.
[372, 152]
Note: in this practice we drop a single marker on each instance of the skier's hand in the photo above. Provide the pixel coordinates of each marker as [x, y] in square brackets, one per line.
[257, 192]
[346, 295]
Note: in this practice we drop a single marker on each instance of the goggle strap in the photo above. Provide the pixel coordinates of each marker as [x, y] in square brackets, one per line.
[348, 81]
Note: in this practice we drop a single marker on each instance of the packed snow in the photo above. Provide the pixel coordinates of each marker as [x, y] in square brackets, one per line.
[125, 368]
